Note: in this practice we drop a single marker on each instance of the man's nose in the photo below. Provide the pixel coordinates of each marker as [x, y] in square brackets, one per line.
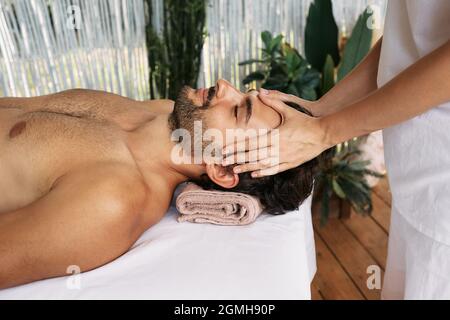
[226, 90]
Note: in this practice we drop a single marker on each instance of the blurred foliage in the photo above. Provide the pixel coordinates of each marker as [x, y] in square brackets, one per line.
[175, 56]
[283, 69]
[357, 46]
[321, 34]
[345, 175]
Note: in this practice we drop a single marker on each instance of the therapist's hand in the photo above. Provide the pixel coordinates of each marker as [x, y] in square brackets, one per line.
[311, 106]
[299, 139]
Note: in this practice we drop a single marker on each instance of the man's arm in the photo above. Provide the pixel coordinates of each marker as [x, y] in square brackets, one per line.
[86, 220]
[420, 87]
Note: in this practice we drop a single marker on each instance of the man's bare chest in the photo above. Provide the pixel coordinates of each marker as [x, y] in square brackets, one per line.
[37, 147]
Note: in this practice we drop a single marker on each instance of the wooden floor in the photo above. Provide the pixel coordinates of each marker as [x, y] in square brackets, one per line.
[345, 248]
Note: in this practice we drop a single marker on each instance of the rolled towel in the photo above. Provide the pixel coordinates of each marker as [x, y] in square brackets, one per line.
[217, 207]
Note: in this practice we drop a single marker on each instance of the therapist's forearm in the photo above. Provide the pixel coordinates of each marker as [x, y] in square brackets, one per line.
[420, 87]
[356, 85]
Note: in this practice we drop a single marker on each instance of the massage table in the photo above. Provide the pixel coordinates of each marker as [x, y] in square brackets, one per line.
[272, 258]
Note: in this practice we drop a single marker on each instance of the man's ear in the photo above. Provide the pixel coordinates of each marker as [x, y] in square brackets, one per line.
[222, 176]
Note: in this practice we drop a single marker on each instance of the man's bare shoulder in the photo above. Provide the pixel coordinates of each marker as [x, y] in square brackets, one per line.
[114, 188]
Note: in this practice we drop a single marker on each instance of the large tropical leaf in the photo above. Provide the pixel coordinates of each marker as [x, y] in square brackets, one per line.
[254, 76]
[250, 61]
[321, 34]
[266, 38]
[327, 75]
[308, 94]
[357, 46]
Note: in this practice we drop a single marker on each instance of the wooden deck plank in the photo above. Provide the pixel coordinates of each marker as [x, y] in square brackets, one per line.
[350, 253]
[331, 280]
[345, 248]
[381, 212]
[371, 235]
[382, 190]
[315, 292]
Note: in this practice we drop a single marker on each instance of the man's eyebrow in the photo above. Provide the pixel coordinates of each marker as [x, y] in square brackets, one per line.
[249, 109]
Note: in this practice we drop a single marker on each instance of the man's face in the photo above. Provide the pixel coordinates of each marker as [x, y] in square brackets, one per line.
[224, 107]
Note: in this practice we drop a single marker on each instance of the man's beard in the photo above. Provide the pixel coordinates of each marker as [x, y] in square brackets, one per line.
[185, 116]
[185, 112]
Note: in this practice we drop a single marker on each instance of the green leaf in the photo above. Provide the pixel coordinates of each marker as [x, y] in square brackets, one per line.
[254, 76]
[321, 34]
[266, 37]
[275, 44]
[359, 165]
[327, 75]
[308, 94]
[250, 61]
[278, 80]
[274, 85]
[373, 173]
[360, 201]
[310, 77]
[338, 190]
[357, 46]
[293, 90]
[293, 61]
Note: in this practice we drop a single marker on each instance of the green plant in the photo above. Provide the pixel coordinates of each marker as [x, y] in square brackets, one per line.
[321, 34]
[322, 47]
[357, 46]
[283, 69]
[175, 57]
[344, 174]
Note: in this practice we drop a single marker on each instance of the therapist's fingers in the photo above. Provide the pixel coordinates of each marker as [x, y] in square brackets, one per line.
[285, 97]
[275, 94]
[255, 166]
[249, 143]
[250, 156]
[272, 170]
[286, 112]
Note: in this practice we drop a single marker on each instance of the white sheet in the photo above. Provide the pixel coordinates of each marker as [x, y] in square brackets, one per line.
[273, 258]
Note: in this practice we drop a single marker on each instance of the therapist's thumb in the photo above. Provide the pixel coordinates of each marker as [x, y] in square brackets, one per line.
[277, 104]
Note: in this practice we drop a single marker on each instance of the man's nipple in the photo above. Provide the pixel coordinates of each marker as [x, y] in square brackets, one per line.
[17, 129]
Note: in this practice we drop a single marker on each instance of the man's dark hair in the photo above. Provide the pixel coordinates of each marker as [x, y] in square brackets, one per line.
[278, 193]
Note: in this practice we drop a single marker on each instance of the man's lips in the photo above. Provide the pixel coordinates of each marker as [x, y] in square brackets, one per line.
[202, 94]
[205, 95]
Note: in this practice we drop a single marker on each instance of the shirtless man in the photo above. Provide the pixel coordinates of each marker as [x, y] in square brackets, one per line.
[84, 173]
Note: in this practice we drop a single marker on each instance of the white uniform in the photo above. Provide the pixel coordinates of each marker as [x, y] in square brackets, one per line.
[417, 154]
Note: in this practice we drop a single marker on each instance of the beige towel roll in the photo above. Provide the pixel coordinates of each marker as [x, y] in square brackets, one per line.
[217, 207]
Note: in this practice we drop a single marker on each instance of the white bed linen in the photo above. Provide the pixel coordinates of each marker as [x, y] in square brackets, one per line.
[273, 258]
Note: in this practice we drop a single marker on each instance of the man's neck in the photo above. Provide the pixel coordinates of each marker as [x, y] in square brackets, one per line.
[151, 147]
